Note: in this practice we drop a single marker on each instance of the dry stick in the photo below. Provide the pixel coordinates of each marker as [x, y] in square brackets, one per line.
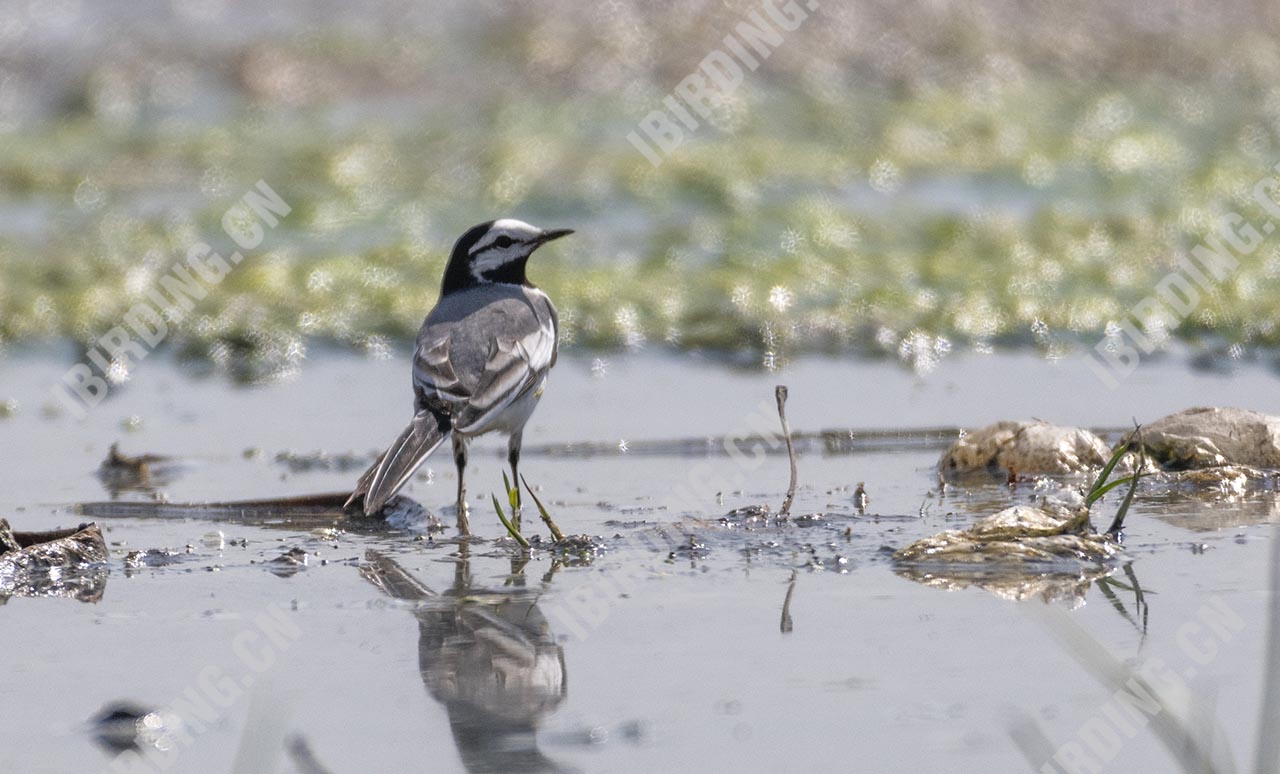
[786, 624]
[781, 394]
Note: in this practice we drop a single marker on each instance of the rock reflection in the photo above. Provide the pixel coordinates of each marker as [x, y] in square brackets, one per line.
[1065, 587]
[1012, 583]
[490, 657]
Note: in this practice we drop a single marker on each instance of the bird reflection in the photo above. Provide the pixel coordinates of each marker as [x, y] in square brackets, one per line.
[489, 657]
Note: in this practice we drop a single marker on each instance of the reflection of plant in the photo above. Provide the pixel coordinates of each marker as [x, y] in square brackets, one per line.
[1183, 722]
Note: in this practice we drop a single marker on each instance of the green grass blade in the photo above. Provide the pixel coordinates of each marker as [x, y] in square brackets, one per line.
[1106, 472]
[1099, 493]
[513, 495]
[556, 534]
[1117, 524]
[507, 523]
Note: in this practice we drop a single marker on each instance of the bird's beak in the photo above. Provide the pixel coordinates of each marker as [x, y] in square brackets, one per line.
[554, 233]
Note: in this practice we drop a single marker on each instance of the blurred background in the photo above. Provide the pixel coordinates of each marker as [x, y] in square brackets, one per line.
[898, 179]
[915, 214]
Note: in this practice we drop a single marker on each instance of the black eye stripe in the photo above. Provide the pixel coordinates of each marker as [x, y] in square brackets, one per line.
[500, 243]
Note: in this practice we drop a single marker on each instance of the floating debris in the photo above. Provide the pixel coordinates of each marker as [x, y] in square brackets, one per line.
[151, 557]
[35, 564]
[1030, 448]
[121, 472]
[572, 550]
[1023, 541]
[689, 548]
[125, 726]
[747, 516]
[1232, 480]
[289, 563]
[1208, 437]
[214, 540]
[1016, 535]
[322, 461]
[305, 512]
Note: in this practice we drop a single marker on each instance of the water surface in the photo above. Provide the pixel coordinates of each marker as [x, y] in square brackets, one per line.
[672, 658]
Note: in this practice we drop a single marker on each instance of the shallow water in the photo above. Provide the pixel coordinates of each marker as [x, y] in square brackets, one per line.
[672, 658]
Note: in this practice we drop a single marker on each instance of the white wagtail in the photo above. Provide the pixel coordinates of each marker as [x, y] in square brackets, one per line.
[481, 360]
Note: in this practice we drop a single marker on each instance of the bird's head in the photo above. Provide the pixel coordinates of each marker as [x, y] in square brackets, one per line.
[493, 252]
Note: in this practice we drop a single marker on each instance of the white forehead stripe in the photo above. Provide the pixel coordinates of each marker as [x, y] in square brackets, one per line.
[515, 230]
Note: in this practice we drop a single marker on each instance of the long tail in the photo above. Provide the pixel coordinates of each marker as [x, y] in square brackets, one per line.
[387, 574]
[427, 431]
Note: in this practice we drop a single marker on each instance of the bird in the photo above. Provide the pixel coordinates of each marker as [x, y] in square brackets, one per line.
[480, 363]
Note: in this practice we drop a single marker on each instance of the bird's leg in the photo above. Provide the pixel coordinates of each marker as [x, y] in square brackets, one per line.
[460, 460]
[513, 457]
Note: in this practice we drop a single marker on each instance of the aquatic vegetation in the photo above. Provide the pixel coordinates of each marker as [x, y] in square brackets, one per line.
[512, 525]
[985, 195]
[572, 544]
[1022, 540]
[556, 534]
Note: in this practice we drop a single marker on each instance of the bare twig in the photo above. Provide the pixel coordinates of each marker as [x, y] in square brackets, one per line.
[781, 394]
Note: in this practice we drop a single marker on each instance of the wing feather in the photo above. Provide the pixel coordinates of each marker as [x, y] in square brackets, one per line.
[475, 392]
[514, 368]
